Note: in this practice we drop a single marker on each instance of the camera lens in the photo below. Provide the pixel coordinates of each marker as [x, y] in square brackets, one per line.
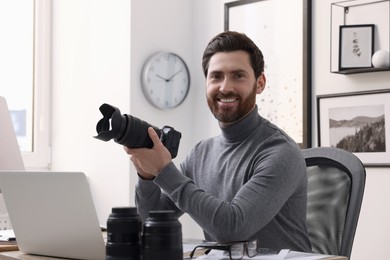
[124, 234]
[132, 132]
[136, 134]
[125, 129]
[162, 236]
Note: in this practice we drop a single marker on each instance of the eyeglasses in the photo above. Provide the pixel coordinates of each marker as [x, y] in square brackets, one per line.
[236, 250]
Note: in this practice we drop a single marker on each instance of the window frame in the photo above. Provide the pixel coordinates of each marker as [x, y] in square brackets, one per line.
[40, 157]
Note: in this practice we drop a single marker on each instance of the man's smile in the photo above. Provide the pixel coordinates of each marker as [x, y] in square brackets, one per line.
[227, 100]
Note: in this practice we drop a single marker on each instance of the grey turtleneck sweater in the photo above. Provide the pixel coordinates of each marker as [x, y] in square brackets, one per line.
[249, 182]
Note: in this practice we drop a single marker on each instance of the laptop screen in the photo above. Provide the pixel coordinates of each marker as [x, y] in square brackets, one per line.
[10, 156]
[53, 214]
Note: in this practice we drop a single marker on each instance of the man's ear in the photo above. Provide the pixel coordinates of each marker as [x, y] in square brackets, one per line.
[261, 80]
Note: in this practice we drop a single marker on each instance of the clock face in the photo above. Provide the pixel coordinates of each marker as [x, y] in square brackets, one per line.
[165, 80]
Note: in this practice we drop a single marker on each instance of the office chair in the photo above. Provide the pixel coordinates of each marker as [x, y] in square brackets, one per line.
[336, 181]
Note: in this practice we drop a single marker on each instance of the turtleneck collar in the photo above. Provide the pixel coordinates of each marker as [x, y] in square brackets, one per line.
[243, 128]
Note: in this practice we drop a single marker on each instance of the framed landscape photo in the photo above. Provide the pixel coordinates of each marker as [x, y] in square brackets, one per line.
[356, 46]
[357, 122]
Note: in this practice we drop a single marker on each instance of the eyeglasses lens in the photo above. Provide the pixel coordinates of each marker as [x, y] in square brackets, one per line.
[237, 251]
[251, 248]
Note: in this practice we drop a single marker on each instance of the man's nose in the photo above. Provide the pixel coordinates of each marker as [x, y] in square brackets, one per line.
[226, 86]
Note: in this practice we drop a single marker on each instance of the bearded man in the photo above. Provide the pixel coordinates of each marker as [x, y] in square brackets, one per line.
[250, 182]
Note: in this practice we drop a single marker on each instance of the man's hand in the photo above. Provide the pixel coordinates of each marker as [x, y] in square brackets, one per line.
[149, 162]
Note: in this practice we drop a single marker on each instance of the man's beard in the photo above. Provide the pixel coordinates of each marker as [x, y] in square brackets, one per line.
[232, 114]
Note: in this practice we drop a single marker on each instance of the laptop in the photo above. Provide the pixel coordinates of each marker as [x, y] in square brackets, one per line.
[10, 156]
[53, 214]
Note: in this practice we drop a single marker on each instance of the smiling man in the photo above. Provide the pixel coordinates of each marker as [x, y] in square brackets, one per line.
[247, 183]
[232, 86]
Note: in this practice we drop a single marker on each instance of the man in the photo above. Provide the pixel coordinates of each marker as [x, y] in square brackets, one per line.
[248, 183]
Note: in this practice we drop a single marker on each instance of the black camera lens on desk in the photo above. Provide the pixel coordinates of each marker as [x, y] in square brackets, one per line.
[162, 236]
[124, 227]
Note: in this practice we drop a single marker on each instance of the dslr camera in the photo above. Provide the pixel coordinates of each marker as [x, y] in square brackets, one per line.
[132, 132]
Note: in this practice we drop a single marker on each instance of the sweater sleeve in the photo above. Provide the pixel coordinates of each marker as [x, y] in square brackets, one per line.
[148, 197]
[257, 202]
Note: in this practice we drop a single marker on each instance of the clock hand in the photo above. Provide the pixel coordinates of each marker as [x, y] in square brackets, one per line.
[174, 75]
[166, 80]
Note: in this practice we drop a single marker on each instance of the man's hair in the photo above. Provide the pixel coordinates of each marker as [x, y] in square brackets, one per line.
[233, 41]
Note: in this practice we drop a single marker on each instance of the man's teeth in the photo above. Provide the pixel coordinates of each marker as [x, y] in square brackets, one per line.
[228, 100]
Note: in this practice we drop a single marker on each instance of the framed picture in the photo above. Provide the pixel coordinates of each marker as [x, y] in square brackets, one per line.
[271, 24]
[357, 122]
[356, 46]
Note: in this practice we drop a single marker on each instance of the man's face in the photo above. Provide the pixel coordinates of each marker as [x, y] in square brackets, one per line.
[231, 86]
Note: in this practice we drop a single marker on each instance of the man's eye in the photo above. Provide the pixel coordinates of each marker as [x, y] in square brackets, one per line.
[215, 76]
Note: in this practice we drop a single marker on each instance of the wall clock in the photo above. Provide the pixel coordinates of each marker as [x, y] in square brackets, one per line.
[165, 80]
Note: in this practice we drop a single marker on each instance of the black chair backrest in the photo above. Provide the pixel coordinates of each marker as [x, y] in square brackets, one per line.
[336, 181]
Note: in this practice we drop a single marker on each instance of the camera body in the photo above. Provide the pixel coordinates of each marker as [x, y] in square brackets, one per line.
[132, 132]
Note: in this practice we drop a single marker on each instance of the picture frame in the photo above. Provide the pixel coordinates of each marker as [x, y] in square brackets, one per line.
[357, 122]
[356, 46]
[286, 100]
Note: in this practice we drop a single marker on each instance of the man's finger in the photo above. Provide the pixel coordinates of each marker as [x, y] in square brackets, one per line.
[153, 135]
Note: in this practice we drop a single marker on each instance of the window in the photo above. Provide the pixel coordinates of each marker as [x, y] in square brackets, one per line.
[25, 48]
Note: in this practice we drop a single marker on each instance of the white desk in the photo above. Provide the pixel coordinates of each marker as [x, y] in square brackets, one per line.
[188, 245]
[17, 255]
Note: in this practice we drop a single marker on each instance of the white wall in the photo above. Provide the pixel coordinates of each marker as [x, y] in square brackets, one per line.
[99, 49]
[372, 235]
[91, 66]
[164, 26]
[97, 60]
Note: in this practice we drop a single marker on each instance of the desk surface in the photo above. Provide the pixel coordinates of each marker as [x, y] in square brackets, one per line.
[11, 253]
[17, 255]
